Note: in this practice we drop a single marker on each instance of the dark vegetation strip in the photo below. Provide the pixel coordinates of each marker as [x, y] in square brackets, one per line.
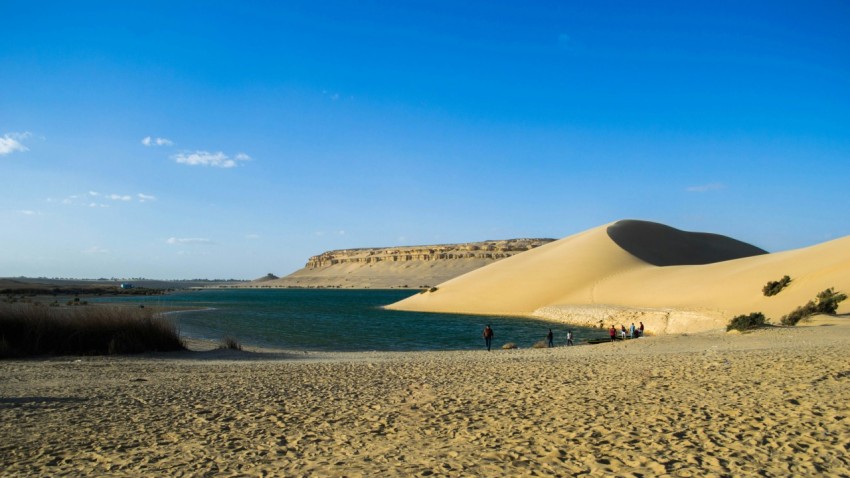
[32, 330]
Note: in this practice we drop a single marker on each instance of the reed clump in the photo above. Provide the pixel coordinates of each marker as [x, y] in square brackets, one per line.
[29, 330]
[230, 343]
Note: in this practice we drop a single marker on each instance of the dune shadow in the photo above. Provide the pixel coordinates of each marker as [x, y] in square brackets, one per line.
[662, 245]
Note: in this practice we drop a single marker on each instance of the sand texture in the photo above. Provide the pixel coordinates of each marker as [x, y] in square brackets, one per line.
[768, 403]
[699, 280]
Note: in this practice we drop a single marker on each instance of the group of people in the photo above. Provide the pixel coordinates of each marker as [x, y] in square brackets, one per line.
[632, 333]
[550, 337]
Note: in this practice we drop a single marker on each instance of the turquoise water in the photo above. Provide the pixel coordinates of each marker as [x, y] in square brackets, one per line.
[342, 320]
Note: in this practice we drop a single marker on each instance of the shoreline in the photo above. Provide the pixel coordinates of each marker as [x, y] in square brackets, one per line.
[768, 402]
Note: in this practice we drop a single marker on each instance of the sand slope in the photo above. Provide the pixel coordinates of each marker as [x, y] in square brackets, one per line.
[591, 278]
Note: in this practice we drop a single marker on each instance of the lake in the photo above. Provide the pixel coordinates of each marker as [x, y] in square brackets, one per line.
[342, 320]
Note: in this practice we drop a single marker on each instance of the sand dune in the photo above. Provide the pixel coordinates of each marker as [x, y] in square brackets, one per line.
[610, 274]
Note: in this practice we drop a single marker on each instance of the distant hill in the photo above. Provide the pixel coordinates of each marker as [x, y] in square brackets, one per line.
[398, 267]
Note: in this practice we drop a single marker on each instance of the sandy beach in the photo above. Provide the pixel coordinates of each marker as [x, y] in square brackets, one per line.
[768, 403]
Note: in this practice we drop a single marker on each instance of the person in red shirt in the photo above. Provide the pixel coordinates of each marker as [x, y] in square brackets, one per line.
[488, 336]
[613, 333]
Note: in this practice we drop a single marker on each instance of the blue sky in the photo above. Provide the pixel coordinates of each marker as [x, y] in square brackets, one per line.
[232, 139]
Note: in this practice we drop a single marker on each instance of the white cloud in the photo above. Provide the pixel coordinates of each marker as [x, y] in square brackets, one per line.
[29, 212]
[205, 158]
[148, 141]
[120, 197]
[706, 188]
[252, 236]
[145, 197]
[12, 142]
[180, 241]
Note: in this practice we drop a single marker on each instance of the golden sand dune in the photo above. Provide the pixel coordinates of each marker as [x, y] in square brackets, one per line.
[633, 271]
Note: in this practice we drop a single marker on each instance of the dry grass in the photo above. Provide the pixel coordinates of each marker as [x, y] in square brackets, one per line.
[230, 343]
[28, 329]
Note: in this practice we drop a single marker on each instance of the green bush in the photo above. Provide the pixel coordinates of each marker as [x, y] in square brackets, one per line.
[747, 322]
[775, 287]
[800, 313]
[826, 303]
[828, 300]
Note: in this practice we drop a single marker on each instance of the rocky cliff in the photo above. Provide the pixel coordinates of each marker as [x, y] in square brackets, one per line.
[399, 267]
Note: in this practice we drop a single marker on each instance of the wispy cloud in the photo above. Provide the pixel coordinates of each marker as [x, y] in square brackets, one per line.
[205, 158]
[95, 199]
[252, 236]
[704, 188]
[95, 250]
[188, 241]
[149, 141]
[29, 212]
[13, 142]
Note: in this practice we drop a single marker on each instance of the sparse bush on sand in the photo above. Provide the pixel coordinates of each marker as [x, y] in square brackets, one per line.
[230, 343]
[754, 320]
[509, 346]
[27, 330]
[826, 302]
[541, 344]
[775, 287]
[800, 313]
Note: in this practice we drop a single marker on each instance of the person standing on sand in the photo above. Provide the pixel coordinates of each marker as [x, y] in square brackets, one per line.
[632, 331]
[488, 336]
[551, 338]
[641, 329]
[613, 333]
[569, 337]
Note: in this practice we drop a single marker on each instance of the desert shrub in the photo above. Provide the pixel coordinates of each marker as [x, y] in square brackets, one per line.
[509, 346]
[26, 330]
[800, 313]
[230, 343]
[747, 322]
[432, 289]
[826, 302]
[775, 287]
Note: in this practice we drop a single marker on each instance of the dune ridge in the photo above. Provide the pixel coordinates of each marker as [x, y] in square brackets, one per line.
[590, 277]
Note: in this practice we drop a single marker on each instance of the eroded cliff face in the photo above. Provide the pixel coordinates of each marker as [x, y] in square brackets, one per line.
[399, 267]
[492, 250]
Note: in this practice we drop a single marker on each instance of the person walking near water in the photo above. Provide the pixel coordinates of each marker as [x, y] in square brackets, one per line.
[488, 336]
[632, 331]
[551, 338]
[569, 337]
[613, 333]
